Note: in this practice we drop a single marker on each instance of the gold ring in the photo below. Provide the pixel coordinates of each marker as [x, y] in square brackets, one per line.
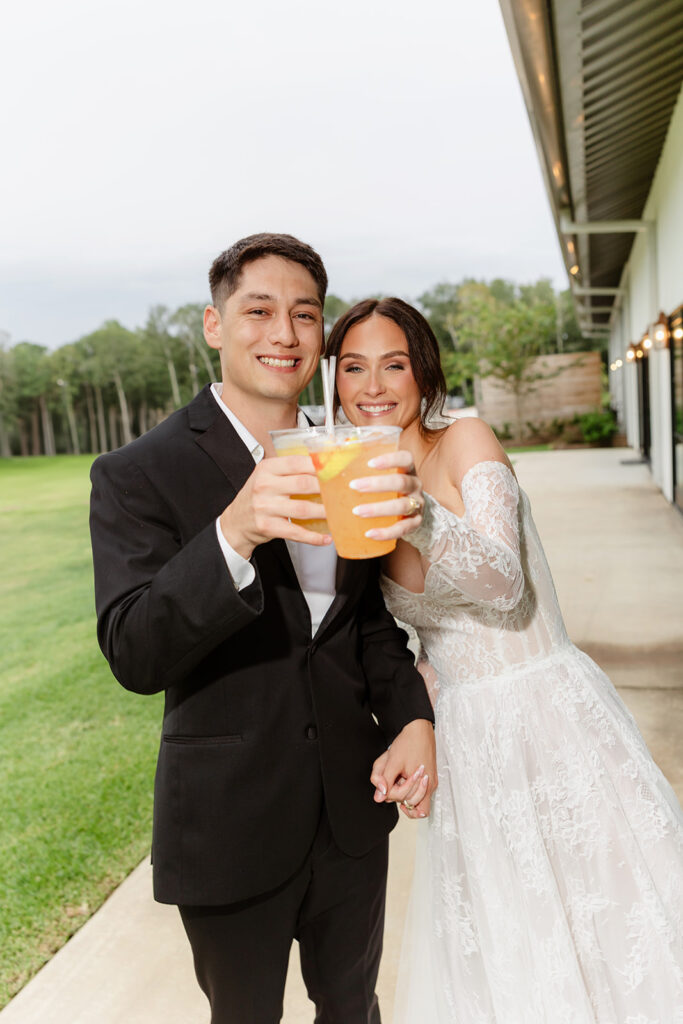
[414, 506]
[411, 807]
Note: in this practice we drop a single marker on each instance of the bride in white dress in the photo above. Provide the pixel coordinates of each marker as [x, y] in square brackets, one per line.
[549, 877]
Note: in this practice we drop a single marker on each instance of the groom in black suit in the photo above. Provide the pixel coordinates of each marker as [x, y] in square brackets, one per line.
[284, 675]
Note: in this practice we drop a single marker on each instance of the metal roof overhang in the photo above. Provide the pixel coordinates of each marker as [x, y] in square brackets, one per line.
[600, 79]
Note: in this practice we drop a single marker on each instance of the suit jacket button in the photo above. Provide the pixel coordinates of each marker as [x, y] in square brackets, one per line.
[311, 732]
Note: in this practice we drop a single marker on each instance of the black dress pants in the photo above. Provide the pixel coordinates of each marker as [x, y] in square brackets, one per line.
[334, 906]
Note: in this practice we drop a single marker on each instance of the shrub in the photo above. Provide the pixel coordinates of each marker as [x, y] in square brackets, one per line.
[598, 427]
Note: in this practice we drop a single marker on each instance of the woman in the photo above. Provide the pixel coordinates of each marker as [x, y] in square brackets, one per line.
[549, 880]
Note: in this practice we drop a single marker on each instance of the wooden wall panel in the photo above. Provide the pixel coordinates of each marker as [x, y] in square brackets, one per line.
[575, 389]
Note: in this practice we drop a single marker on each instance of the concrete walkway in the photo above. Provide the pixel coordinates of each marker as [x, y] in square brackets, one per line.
[615, 547]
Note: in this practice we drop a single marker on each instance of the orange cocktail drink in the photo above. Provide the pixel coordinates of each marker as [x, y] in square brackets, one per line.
[340, 457]
[291, 442]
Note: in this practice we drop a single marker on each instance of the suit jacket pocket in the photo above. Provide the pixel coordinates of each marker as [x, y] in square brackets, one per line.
[203, 740]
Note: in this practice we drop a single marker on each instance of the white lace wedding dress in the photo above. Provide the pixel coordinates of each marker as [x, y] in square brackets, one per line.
[549, 877]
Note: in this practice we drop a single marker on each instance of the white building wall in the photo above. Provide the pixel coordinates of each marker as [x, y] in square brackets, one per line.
[666, 203]
[616, 377]
[653, 282]
[624, 380]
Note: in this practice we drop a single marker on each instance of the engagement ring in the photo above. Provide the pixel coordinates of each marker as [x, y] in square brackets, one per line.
[411, 807]
[415, 506]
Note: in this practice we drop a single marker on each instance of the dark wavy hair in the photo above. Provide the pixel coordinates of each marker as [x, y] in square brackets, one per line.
[423, 350]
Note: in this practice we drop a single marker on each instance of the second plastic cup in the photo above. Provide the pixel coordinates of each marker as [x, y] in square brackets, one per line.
[342, 456]
[292, 442]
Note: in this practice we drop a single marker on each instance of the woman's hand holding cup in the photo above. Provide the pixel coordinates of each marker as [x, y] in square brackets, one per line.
[407, 499]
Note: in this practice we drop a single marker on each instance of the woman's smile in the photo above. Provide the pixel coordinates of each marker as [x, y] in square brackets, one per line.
[376, 410]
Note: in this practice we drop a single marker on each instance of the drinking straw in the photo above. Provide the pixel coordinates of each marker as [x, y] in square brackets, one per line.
[327, 369]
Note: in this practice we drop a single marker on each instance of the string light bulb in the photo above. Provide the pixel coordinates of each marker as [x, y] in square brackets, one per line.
[661, 331]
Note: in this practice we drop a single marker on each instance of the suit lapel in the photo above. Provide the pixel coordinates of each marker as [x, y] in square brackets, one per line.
[219, 439]
[350, 575]
[221, 442]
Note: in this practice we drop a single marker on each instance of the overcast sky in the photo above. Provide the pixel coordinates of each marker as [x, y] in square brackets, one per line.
[139, 138]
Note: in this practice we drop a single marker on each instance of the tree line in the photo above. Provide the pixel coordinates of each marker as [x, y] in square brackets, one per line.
[106, 388]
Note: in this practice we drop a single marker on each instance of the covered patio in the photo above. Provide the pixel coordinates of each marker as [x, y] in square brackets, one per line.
[602, 86]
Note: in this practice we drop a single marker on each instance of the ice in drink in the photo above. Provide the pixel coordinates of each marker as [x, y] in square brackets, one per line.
[339, 458]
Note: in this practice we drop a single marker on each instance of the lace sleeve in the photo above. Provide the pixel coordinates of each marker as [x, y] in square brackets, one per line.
[476, 556]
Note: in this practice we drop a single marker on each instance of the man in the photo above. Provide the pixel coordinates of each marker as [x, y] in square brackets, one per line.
[284, 675]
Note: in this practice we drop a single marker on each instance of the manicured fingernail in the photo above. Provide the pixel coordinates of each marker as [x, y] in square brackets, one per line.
[373, 534]
[425, 781]
[357, 485]
[422, 814]
[358, 510]
[418, 773]
[374, 463]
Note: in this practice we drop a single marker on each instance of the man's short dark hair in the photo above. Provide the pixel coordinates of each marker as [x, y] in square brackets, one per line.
[226, 269]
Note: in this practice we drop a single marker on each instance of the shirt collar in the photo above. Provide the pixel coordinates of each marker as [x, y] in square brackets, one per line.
[255, 448]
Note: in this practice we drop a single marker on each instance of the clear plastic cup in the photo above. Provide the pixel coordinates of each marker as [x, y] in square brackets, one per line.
[292, 442]
[339, 457]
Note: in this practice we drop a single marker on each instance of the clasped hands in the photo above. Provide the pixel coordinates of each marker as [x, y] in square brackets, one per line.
[395, 776]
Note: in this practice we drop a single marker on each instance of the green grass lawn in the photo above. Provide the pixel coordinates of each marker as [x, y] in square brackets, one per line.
[77, 751]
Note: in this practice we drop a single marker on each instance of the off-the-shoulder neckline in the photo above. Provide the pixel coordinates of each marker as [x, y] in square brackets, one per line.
[477, 465]
[489, 462]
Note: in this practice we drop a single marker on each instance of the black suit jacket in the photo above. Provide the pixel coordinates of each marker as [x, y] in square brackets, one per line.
[261, 719]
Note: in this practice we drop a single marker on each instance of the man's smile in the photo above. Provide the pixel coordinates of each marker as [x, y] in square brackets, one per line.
[278, 362]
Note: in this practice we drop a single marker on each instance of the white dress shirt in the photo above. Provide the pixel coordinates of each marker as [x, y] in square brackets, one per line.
[315, 567]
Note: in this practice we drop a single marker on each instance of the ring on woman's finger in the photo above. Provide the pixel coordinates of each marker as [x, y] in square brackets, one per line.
[414, 506]
[409, 806]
